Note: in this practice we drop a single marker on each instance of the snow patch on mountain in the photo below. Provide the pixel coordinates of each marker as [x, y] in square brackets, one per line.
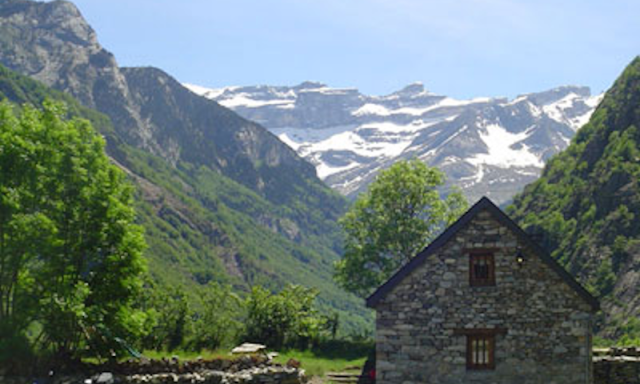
[502, 151]
[245, 100]
[372, 109]
[210, 93]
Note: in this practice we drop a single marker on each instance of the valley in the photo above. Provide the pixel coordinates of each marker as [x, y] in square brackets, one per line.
[248, 211]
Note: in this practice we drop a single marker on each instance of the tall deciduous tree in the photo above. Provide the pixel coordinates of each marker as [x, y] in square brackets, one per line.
[401, 212]
[70, 253]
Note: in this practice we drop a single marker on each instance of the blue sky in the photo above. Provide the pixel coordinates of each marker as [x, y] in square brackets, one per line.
[461, 48]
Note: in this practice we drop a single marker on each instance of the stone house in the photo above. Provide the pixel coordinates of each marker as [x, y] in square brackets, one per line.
[483, 303]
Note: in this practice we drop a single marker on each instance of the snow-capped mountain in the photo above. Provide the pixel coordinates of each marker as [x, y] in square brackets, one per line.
[486, 146]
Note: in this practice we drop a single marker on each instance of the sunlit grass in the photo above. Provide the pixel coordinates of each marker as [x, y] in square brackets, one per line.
[315, 365]
[158, 355]
[188, 355]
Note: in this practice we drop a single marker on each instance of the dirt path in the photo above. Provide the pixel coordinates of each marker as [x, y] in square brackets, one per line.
[315, 380]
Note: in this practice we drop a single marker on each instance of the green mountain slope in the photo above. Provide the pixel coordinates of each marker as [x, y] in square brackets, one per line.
[587, 205]
[201, 225]
[54, 44]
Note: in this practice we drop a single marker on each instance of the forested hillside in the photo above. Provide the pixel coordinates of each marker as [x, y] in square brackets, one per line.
[202, 226]
[220, 197]
[587, 202]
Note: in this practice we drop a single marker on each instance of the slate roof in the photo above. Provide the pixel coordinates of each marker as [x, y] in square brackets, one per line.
[498, 214]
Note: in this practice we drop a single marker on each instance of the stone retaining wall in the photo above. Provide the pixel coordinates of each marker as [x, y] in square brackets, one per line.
[617, 366]
[266, 375]
[616, 370]
[244, 370]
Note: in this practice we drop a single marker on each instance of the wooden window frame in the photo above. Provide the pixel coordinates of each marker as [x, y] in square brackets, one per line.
[489, 336]
[488, 255]
[489, 341]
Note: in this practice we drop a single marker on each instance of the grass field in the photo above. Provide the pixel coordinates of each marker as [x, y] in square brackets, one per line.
[318, 365]
[188, 355]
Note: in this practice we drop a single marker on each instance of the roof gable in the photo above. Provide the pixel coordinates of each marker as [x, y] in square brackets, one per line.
[498, 214]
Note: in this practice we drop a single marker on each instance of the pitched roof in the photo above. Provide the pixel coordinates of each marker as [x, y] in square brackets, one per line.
[498, 214]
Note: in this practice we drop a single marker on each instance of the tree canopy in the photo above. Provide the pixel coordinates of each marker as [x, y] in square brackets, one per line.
[288, 318]
[70, 253]
[399, 214]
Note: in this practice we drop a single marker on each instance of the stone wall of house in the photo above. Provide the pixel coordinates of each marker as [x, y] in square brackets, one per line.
[547, 339]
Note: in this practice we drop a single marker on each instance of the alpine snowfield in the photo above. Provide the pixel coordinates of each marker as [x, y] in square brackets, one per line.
[486, 146]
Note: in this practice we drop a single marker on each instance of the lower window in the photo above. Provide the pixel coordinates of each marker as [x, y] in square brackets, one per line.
[480, 351]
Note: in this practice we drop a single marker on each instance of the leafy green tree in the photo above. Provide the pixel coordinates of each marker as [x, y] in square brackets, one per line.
[286, 319]
[217, 320]
[70, 253]
[171, 317]
[401, 212]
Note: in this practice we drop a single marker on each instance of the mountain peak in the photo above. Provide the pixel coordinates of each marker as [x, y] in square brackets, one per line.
[556, 94]
[45, 40]
[310, 85]
[54, 11]
[414, 88]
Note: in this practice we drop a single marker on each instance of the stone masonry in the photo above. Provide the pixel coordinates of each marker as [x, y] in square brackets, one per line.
[246, 369]
[546, 325]
[616, 365]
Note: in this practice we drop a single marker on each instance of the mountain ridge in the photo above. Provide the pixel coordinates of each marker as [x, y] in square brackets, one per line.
[350, 136]
[59, 48]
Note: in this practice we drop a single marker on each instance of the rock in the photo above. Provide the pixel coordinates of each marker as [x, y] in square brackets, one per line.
[104, 378]
[449, 276]
[271, 356]
[248, 348]
[560, 349]
[293, 363]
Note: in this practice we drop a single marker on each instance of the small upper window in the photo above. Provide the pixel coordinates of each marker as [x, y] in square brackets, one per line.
[480, 351]
[481, 269]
